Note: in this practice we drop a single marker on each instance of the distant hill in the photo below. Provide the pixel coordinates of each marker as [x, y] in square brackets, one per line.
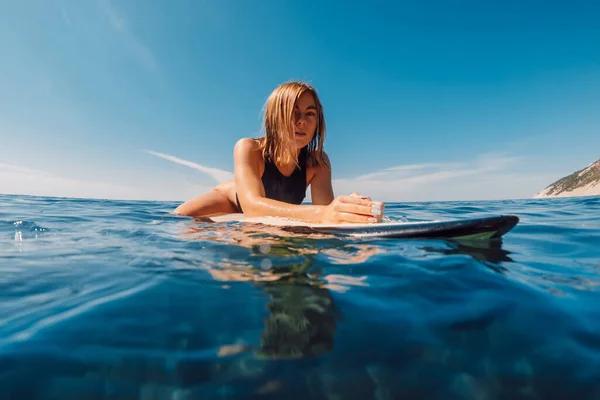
[585, 182]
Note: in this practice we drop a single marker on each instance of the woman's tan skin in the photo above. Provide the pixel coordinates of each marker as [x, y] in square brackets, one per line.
[249, 167]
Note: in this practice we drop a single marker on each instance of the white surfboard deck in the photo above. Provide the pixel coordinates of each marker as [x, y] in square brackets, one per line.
[279, 221]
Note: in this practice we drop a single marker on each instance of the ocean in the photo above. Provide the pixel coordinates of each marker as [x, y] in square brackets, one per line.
[123, 300]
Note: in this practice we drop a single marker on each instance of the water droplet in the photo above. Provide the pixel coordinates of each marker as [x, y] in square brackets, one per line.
[265, 248]
[266, 264]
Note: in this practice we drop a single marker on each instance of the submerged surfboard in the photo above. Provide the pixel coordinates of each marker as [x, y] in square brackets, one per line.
[466, 228]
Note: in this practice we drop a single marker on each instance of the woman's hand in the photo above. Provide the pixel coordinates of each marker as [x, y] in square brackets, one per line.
[353, 208]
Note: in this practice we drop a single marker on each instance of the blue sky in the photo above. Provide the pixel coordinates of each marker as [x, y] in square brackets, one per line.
[428, 100]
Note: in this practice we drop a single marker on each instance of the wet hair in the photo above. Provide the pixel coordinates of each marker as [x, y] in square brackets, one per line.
[278, 142]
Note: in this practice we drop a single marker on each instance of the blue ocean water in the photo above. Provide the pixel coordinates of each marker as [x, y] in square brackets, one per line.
[122, 300]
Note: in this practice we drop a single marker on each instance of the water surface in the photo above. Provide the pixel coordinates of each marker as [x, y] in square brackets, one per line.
[120, 299]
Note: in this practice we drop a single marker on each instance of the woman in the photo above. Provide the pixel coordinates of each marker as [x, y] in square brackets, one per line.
[271, 173]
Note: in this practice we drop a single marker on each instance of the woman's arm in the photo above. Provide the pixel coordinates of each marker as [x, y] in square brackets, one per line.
[251, 195]
[320, 185]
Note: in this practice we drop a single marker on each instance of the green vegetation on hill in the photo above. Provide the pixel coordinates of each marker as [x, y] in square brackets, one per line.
[576, 180]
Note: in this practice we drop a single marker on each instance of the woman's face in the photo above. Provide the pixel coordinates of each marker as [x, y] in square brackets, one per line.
[306, 118]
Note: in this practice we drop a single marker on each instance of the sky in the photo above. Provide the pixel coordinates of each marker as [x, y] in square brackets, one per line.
[424, 101]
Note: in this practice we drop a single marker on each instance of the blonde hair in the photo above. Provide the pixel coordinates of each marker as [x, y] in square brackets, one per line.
[278, 141]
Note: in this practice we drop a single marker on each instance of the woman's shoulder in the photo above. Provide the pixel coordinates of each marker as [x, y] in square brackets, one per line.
[247, 144]
[247, 150]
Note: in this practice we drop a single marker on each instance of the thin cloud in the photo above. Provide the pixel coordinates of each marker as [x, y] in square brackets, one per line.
[119, 24]
[485, 163]
[9, 168]
[404, 170]
[15, 179]
[490, 176]
[219, 175]
[21, 180]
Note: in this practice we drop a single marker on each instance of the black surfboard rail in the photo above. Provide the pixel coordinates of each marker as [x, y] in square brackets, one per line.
[491, 227]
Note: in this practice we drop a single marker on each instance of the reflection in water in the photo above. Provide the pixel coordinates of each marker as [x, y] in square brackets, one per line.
[289, 251]
[301, 321]
[489, 252]
[302, 315]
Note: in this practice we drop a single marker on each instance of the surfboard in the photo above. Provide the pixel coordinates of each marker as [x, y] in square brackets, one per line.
[489, 227]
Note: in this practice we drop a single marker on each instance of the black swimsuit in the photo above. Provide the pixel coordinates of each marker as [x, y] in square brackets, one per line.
[290, 189]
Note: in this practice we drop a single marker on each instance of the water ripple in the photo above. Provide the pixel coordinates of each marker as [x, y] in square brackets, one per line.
[104, 298]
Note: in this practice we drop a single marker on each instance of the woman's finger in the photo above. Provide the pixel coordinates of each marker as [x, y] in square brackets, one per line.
[353, 199]
[365, 202]
[357, 218]
[356, 194]
[371, 210]
[359, 200]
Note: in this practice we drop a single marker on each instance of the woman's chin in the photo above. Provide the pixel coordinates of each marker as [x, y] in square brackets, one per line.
[302, 141]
